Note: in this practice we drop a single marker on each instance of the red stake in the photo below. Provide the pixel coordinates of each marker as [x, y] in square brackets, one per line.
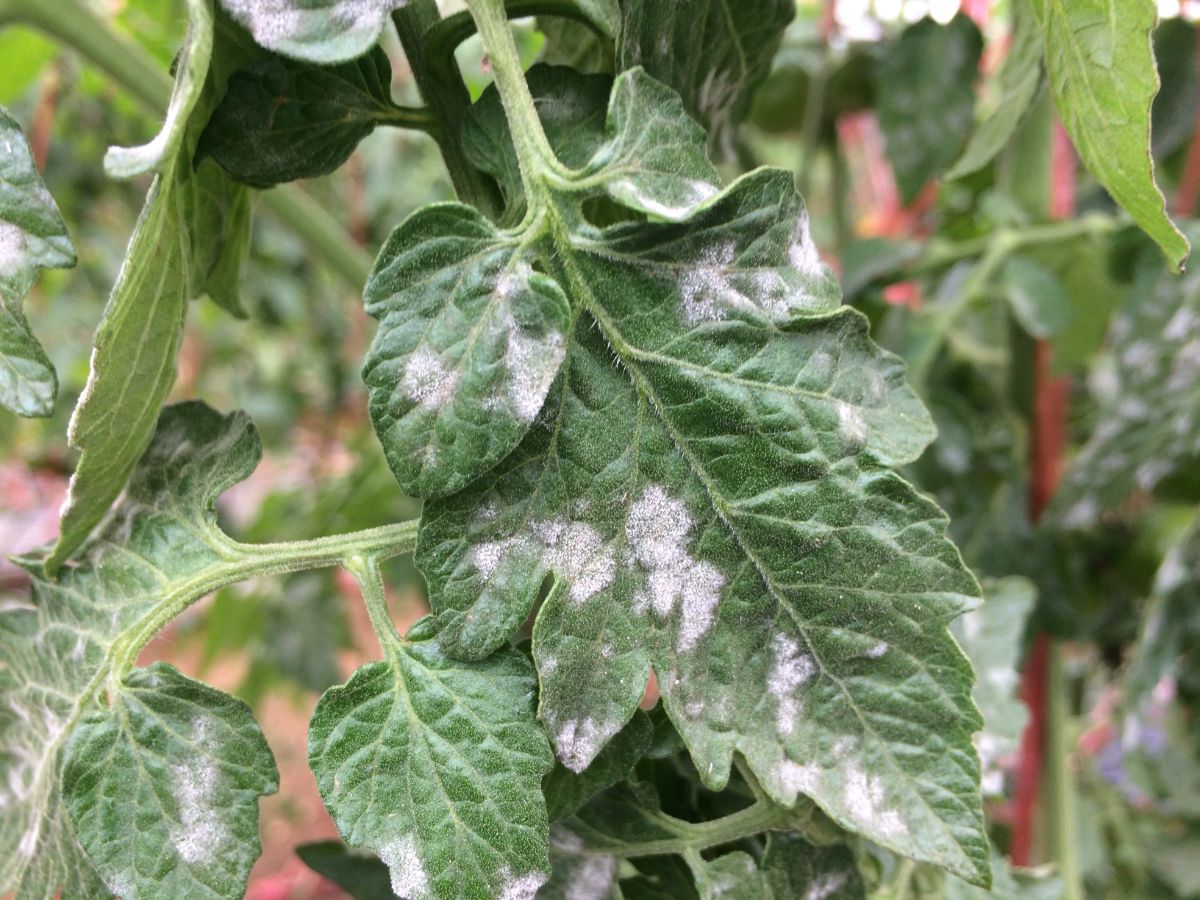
[1047, 441]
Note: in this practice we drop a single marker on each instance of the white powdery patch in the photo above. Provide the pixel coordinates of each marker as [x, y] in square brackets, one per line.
[520, 887]
[200, 835]
[12, 249]
[657, 530]
[427, 380]
[531, 362]
[798, 778]
[876, 651]
[826, 886]
[592, 879]
[577, 552]
[864, 798]
[802, 252]
[578, 741]
[689, 195]
[278, 24]
[409, 878]
[790, 669]
[852, 425]
[487, 556]
[713, 285]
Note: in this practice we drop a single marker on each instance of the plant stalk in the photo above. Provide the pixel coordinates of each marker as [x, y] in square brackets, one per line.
[365, 569]
[442, 89]
[1059, 778]
[136, 72]
[696, 836]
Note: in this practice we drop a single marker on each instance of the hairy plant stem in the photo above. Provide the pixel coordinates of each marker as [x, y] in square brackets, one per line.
[696, 836]
[442, 89]
[75, 25]
[365, 569]
[443, 38]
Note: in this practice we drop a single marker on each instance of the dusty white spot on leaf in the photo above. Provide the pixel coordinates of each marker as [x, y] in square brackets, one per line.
[790, 669]
[521, 887]
[409, 878]
[863, 795]
[12, 249]
[427, 380]
[200, 835]
[592, 879]
[798, 778]
[578, 741]
[657, 529]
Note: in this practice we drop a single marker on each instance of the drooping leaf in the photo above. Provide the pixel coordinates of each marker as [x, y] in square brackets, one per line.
[283, 120]
[362, 875]
[566, 791]
[162, 787]
[1155, 366]
[320, 31]
[436, 766]
[927, 98]
[713, 53]
[1008, 96]
[160, 547]
[167, 261]
[991, 636]
[791, 594]
[1102, 74]
[160, 153]
[470, 340]
[32, 236]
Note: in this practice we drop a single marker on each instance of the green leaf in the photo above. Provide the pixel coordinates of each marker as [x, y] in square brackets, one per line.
[1154, 367]
[1036, 296]
[436, 766]
[567, 791]
[1101, 68]
[320, 31]
[360, 874]
[992, 637]
[715, 506]
[796, 868]
[32, 236]
[927, 98]
[1008, 94]
[714, 53]
[644, 151]
[133, 360]
[733, 876]
[470, 340]
[163, 786]
[282, 120]
[159, 155]
[159, 548]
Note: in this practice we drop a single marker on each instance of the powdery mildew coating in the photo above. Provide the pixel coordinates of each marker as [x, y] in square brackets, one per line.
[520, 887]
[790, 669]
[690, 194]
[592, 878]
[578, 741]
[12, 250]
[574, 550]
[428, 380]
[200, 836]
[530, 361]
[284, 24]
[409, 878]
[826, 886]
[657, 530]
[864, 798]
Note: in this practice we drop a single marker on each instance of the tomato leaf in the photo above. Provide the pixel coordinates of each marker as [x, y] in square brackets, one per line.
[1101, 68]
[32, 236]
[436, 766]
[163, 784]
[320, 31]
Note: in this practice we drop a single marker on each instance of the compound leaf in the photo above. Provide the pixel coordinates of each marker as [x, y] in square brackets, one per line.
[1009, 94]
[1101, 68]
[32, 236]
[927, 98]
[320, 31]
[283, 120]
[159, 547]
[470, 340]
[714, 53]
[163, 785]
[716, 507]
[436, 766]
